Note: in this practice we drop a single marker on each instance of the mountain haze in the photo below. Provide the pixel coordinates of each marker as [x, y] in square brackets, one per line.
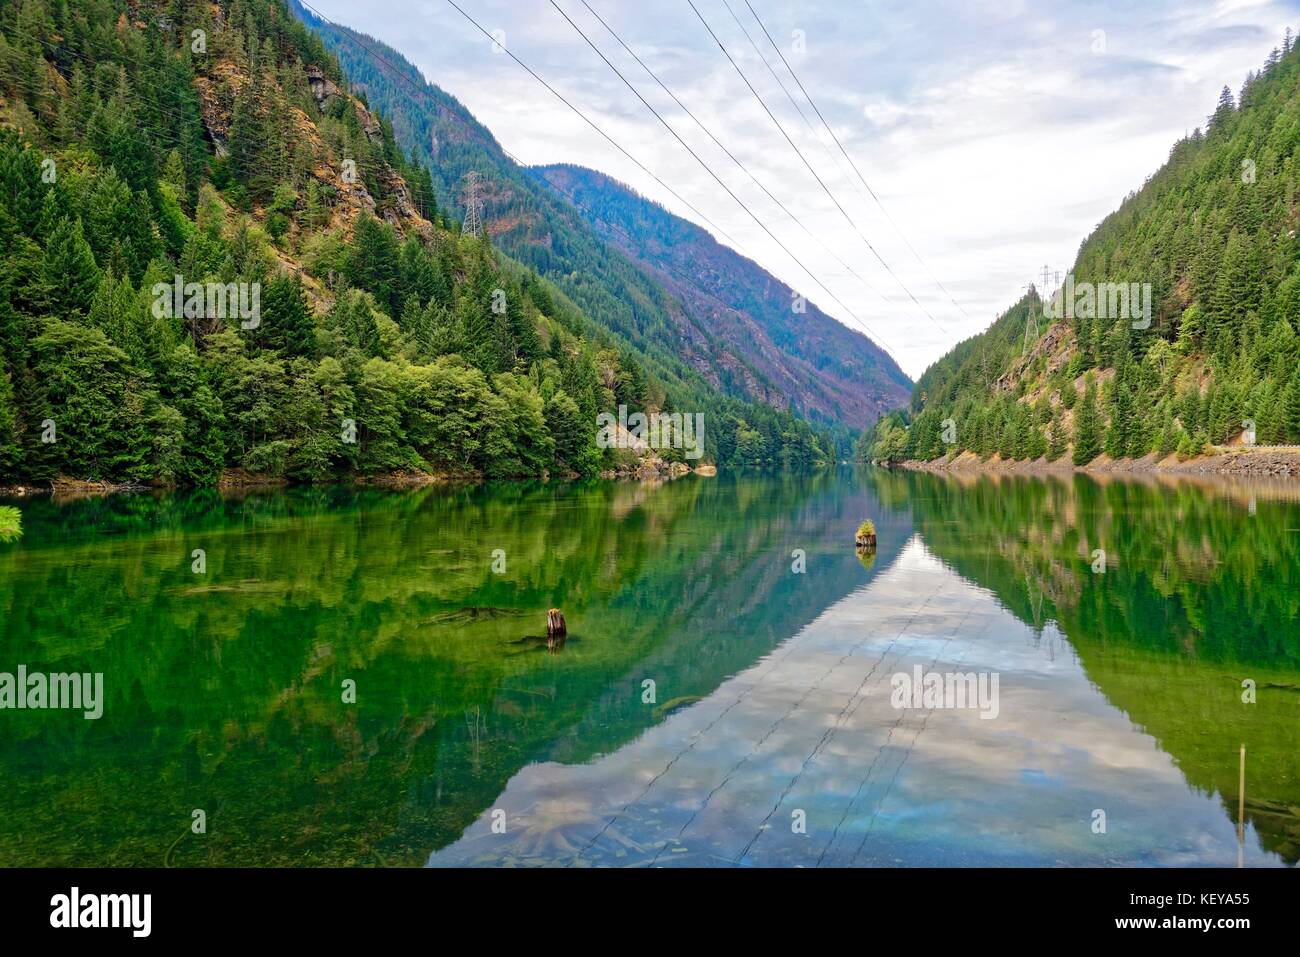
[826, 369]
[698, 308]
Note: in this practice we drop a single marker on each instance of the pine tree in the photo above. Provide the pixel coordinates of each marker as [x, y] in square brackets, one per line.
[287, 323]
[1058, 443]
[174, 173]
[1121, 415]
[70, 269]
[1291, 415]
[10, 452]
[373, 263]
[1087, 426]
[1234, 291]
[1223, 112]
[248, 139]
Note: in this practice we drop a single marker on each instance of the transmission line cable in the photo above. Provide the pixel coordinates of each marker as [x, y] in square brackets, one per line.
[709, 169]
[852, 164]
[772, 116]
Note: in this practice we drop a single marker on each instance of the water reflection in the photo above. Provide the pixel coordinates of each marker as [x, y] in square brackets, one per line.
[224, 688]
[1120, 692]
[802, 760]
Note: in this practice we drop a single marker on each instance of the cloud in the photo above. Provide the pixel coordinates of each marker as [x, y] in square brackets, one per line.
[994, 132]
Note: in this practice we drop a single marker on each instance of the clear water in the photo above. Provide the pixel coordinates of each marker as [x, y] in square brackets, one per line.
[769, 735]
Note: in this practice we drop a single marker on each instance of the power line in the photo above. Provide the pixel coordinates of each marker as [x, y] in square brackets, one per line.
[789, 96]
[664, 265]
[850, 159]
[799, 152]
[401, 77]
[731, 156]
[348, 35]
[559, 96]
[703, 164]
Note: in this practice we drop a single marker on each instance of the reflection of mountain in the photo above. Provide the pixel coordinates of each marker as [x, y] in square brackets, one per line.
[224, 689]
[736, 598]
[1198, 594]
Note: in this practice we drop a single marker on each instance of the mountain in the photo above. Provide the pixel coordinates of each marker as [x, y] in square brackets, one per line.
[699, 308]
[828, 371]
[219, 265]
[1178, 327]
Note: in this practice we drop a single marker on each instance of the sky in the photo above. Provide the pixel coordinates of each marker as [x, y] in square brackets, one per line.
[994, 134]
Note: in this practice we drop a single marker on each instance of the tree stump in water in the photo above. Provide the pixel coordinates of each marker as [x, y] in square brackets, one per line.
[866, 537]
[555, 627]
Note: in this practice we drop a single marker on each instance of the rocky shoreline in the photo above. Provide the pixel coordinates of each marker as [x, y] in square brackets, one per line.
[237, 479]
[1264, 462]
[649, 469]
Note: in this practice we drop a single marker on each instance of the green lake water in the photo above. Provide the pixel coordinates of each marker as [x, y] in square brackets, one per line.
[768, 735]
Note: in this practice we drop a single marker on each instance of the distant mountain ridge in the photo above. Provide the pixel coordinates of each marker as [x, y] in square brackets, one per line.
[829, 371]
[722, 319]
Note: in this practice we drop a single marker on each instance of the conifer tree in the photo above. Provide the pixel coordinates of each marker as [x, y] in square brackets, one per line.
[1291, 414]
[1058, 443]
[70, 270]
[1087, 426]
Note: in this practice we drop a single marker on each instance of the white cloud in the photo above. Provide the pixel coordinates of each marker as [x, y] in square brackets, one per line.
[993, 134]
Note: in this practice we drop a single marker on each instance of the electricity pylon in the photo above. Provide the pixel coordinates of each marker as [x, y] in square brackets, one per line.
[473, 224]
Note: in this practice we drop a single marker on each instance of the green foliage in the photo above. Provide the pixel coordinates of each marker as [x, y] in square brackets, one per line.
[590, 288]
[99, 417]
[443, 354]
[1214, 234]
[1087, 426]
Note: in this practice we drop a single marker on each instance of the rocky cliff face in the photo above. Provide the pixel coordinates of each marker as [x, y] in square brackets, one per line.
[218, 88]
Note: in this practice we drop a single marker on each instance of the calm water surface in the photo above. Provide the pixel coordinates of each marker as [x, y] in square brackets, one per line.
[768, 736]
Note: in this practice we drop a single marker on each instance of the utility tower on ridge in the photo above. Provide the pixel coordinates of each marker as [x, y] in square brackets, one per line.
[1031, 322]
[473, 224]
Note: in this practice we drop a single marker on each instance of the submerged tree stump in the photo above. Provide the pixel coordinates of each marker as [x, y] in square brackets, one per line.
[555, 626]
[866, 537]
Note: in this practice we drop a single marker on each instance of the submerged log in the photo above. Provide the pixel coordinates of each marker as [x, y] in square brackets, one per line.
[555, 626]
[866, 537]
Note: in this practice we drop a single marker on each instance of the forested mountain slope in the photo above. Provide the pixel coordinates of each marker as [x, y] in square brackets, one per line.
[733, 328]
[1209, 242]
[216, 262]
[828, 370]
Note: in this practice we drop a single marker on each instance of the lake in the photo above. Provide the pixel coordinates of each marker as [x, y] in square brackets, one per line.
[357, 677]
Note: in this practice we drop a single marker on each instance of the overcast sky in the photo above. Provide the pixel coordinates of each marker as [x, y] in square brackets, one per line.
[996, 133]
